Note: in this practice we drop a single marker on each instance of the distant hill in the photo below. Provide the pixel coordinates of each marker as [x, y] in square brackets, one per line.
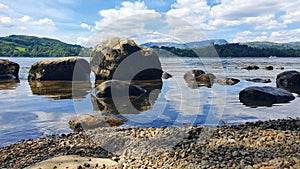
[292, 45]
[31, 46]
[187, 45]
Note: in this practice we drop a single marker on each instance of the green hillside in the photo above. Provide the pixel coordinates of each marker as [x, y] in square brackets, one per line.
[31, 46]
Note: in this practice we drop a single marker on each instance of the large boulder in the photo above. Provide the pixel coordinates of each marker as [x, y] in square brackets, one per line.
[71, 68]
[9, 70]
[264, 96]
[289, 80]
[123, 59]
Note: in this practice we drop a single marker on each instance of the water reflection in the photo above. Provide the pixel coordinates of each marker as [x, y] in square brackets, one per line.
[57, 90]
[121, 105]
[9, 85]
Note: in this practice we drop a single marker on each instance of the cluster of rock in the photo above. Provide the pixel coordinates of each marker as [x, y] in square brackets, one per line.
[255, 67]
[268, 144]
[117, 61]
[287, 82]
[198, 78]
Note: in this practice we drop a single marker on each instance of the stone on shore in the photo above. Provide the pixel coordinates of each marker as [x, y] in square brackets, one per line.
[264, 96]
[9, 70]
[71, 68]
[73, 162]
[289, 80]
[83, 122]
[123, 59]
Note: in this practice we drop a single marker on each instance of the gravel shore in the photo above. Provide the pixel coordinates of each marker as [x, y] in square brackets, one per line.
[268, 144]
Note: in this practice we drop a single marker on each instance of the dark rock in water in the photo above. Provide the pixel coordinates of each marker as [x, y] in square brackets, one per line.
[7, 77]
[128, 105]
[192, 74]
[198, 78]
[289, 80]
[9, 68]
[58, 90]
[251, 67]
[269, 67]
[71, 68]
[226, 81]
[117, 88]
[166, 75]
[83, 122]
[264, 96]
[123, 59]
[259, 80]
[206, 79]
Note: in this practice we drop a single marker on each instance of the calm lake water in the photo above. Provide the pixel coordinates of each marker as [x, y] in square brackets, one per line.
[33, 110]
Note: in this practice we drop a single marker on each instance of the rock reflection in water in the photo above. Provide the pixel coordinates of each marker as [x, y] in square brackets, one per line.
[9, 85]
[57, 90]
[120, 104]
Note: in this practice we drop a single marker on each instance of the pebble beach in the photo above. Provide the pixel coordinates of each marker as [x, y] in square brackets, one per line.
[261, 144]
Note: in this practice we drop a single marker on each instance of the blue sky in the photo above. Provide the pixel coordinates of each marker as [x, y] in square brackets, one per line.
[91, 21]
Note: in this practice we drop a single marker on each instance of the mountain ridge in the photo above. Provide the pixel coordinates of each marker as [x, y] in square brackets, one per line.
[195, 44]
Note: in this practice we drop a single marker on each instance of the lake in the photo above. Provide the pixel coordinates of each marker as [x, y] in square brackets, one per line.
[33, 110]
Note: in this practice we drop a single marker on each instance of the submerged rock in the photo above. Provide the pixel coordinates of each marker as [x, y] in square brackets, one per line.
[128, 104]
[123, 59]
[71, 68]
[118, 88]
[264, 96]
[9, 70]
[226, 81]
[259, 80]
[289, 80]
[82, 122]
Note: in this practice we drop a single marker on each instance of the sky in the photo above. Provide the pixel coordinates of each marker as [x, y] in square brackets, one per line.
[88, 22]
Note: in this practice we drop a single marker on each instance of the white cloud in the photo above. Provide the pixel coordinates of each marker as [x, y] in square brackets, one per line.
[3, 6]
[25, 19]
[196, 12]
[85, 26]
[44, 21]
[283, 36]
[131, 15]
[5, 20]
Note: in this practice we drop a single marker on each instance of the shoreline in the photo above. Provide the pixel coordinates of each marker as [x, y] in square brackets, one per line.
[273, 143]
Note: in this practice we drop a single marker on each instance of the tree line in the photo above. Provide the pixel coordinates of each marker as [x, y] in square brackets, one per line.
[230, 50]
